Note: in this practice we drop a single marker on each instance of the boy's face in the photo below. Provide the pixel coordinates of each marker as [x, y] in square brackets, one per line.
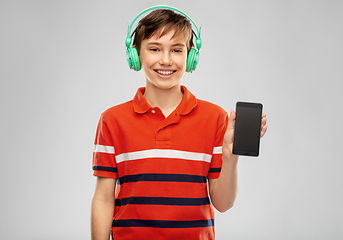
[164, 60]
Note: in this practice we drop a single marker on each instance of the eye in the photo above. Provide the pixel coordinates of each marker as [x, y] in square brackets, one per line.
[154, 49]
[177, 50]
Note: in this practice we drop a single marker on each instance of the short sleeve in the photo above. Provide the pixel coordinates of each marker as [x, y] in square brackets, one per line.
[217, 159]
[104, 164]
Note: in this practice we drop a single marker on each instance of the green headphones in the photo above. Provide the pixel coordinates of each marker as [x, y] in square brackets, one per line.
[132, 53]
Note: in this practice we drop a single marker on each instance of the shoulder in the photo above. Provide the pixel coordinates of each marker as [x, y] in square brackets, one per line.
[117, 110]
[207, 107]
[211, 114]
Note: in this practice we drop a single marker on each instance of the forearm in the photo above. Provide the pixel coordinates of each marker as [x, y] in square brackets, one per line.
[223, 191]
[101, 219]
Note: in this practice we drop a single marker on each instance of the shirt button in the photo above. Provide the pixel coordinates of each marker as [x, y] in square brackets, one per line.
[153, 111]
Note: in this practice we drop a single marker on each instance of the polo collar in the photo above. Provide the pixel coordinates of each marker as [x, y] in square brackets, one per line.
[187, 104]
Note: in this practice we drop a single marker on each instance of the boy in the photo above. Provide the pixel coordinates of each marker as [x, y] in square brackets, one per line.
[169, 151]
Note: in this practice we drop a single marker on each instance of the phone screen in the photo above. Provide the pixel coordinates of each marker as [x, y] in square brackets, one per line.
[247, 133]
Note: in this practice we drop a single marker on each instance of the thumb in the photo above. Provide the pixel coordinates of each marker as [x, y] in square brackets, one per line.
[232, 118]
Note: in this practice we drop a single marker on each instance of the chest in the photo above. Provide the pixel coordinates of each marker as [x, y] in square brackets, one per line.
[193, 132]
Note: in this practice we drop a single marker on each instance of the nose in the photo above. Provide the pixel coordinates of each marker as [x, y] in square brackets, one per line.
[166, 59]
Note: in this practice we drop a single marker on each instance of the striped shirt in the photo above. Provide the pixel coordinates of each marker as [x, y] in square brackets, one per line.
[162, 166]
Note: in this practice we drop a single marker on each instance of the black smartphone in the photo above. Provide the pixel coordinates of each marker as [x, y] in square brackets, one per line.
[246, 139]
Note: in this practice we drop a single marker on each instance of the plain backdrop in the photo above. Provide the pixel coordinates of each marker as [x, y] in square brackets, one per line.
[62, 63]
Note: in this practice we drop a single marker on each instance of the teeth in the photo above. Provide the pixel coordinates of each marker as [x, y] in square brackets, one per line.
[164, 72]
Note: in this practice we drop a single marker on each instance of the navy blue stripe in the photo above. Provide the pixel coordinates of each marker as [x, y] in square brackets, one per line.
[163, 201]
[213, 170]
[163, 224]
[162, 178]
[107, 169]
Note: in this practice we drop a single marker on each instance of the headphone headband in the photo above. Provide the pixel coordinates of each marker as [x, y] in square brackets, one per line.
[129, 34]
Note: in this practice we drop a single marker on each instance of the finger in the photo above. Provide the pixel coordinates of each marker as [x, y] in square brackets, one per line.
[264, 121]
[264, 130]
[232, 119]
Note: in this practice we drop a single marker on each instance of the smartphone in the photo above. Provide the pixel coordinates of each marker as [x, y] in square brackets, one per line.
[246, 139]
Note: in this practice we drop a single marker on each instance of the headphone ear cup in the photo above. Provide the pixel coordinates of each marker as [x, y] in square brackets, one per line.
[133, 59]
[192, 60]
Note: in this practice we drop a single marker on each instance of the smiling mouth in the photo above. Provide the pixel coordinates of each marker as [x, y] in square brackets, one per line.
[164, 72]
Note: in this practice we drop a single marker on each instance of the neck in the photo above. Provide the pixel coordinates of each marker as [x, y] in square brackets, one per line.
[165, 99]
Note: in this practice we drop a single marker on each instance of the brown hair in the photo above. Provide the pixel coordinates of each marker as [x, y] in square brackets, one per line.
[160, 22]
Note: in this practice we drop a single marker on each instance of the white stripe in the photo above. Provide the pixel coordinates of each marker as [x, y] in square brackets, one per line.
[164, 153]
[217, 150]
[104, 149]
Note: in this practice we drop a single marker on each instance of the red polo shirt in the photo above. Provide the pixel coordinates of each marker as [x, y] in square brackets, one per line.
[162, 166]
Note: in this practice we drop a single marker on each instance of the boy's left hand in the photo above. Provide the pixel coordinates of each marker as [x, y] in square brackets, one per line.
[228, 137]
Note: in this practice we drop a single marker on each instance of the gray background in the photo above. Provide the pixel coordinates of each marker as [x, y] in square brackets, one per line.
[63, 63]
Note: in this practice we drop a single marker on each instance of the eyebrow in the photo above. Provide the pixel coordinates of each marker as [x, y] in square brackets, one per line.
[174, 45]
